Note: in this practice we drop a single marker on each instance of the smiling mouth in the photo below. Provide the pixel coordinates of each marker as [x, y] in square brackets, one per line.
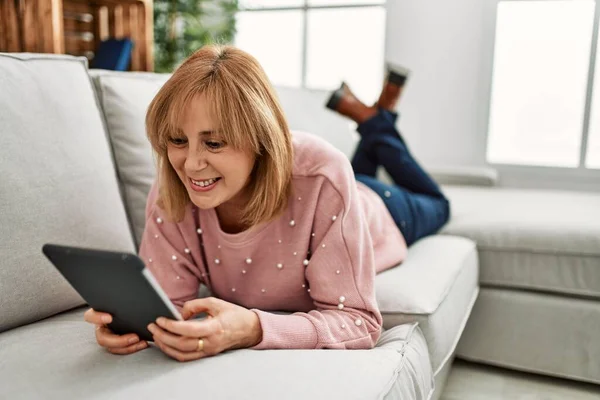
[205, 183]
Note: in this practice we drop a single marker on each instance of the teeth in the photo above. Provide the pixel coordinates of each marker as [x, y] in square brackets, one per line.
[204, 183]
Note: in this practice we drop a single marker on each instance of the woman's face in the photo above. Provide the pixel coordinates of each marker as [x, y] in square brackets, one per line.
[213, 172]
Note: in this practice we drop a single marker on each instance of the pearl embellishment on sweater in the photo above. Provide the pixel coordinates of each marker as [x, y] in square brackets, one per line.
[343, 326]
[387, 193]
[280, 266]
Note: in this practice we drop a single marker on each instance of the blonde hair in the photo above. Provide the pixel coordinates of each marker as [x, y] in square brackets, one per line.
[245, 107]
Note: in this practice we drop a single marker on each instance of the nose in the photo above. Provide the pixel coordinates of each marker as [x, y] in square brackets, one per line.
[196, 160]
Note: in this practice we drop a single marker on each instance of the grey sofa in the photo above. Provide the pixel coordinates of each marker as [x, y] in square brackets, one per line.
[77, 169]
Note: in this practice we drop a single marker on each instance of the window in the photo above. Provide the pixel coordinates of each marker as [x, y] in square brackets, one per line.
[273, 38]
[317, 43]
[540, 84]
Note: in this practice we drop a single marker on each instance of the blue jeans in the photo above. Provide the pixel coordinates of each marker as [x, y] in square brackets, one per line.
[418, 206]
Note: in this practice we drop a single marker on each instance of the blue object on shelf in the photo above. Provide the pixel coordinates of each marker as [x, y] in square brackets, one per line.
[113, 54]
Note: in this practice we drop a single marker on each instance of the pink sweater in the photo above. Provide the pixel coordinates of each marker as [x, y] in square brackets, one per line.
[317, 260]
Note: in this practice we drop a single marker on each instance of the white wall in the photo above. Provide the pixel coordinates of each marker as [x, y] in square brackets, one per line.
[442, 116]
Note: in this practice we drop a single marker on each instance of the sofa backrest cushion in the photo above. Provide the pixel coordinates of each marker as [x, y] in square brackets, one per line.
[125, 97]
[58, 182]
[305, 111]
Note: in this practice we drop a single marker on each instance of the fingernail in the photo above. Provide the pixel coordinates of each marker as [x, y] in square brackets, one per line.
[141, 345]
[133, 340]
[160, 320]
[105, 319]
[150, 327]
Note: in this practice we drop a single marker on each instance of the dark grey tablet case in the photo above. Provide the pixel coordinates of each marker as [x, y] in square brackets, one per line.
[116, 283]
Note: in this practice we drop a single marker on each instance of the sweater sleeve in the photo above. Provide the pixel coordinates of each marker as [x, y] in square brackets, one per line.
[170, 250]
[340, 274]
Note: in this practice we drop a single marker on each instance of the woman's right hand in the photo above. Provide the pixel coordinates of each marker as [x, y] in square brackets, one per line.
[116, 344]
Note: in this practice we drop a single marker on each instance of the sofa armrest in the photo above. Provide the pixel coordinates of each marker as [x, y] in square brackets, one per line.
[460, 175]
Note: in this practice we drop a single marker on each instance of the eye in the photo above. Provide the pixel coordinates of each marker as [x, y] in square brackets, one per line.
[214, 145]
[177, 141]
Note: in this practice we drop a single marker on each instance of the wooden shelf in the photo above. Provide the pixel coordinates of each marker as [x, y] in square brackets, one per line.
[77, 27]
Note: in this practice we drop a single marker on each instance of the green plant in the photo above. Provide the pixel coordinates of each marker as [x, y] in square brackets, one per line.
[183, 26]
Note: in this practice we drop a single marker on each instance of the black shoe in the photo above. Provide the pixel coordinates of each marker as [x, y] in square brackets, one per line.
[336, 97]
[344, 102]
[397, 74]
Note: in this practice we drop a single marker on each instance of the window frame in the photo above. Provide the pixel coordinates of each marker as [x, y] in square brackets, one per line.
[580, 177]
[305, 8]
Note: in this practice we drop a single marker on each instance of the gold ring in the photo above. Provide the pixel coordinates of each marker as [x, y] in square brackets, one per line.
[200, 345]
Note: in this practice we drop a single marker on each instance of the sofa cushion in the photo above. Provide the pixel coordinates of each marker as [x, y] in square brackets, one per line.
[125, 97]
[58, 181]
[74, 366]
[305, 111]
[435, 286]
[531, 239]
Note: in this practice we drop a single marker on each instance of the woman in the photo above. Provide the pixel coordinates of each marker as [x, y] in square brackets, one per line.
[269, 222]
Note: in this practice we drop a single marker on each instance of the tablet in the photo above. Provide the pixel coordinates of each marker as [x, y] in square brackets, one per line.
[116, 283]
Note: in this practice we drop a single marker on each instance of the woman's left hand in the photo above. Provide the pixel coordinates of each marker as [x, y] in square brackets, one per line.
[228, 326]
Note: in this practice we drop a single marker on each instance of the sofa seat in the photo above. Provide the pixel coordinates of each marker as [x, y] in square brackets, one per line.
[436, 286]
[547, 241]
[58, 358]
